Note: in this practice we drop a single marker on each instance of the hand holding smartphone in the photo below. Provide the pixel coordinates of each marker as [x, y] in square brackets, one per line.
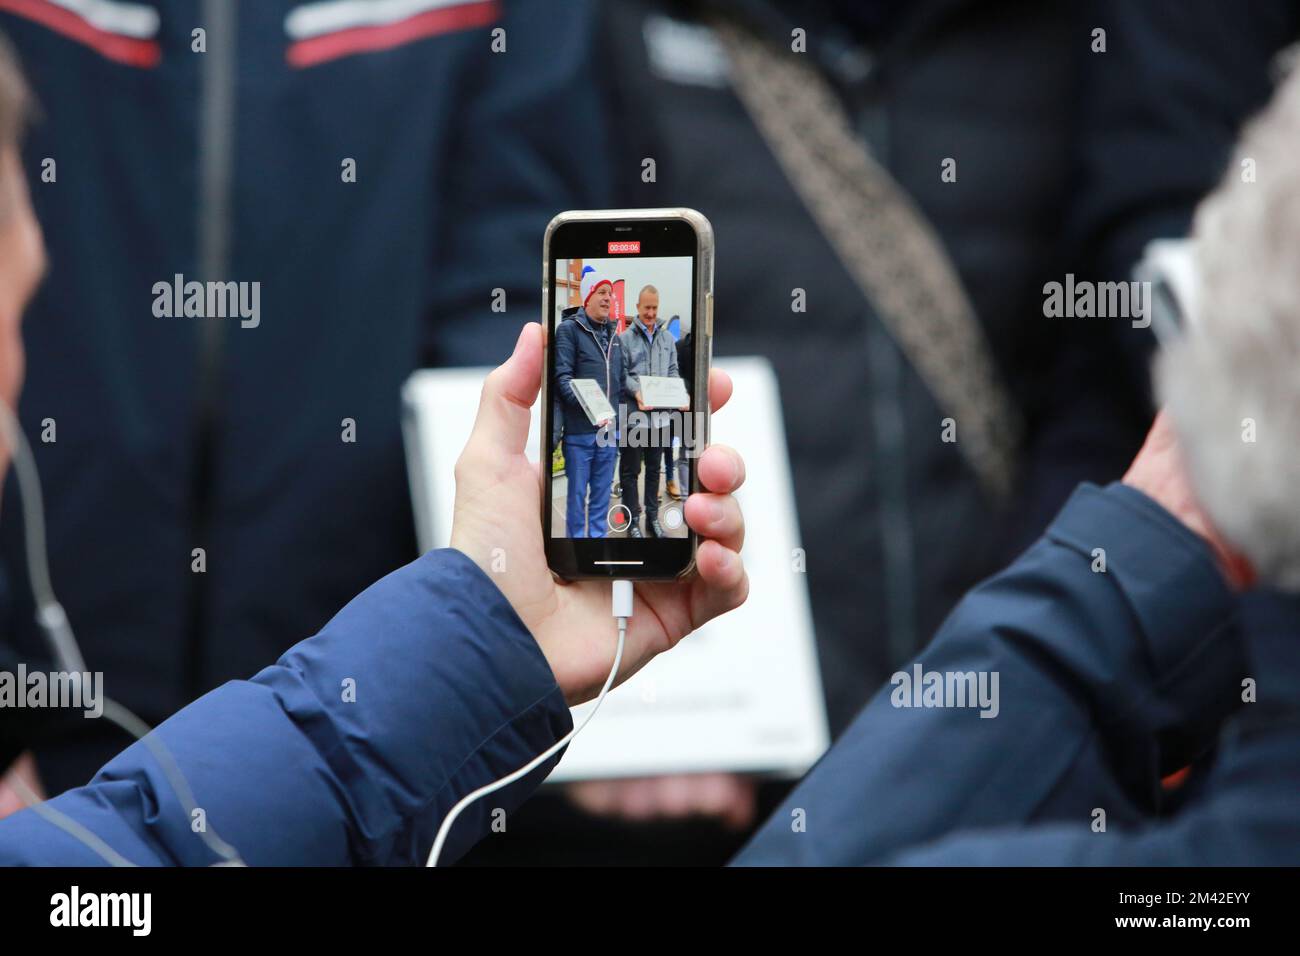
[629, 299]
[497, 524]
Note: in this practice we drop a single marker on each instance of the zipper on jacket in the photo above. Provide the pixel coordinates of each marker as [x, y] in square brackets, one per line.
[216, 129]
[608, 350]
[216, 158]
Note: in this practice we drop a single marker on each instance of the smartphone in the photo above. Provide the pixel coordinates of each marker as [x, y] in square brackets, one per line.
[628, 318]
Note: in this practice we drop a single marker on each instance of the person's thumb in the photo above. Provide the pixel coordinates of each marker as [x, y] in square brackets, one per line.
[509, 391]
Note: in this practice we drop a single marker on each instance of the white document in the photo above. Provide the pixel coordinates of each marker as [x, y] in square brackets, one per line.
[743, 693]
[592, 400]
[664, 391]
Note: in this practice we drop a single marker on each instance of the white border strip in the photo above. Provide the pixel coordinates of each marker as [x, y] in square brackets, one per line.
[331, 16]
[135, 20]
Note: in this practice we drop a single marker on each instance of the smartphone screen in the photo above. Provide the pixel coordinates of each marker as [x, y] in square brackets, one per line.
[622, 430]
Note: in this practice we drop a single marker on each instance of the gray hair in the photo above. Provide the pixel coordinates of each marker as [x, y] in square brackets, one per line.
[1232, 384]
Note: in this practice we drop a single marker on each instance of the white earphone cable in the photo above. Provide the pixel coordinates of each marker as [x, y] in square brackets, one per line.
[622, 602]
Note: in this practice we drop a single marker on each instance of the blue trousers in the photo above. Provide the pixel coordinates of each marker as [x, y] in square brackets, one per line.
[588, 465]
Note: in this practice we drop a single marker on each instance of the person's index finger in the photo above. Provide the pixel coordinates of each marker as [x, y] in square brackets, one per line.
[721, 469]
[720, 388]
[718, 517]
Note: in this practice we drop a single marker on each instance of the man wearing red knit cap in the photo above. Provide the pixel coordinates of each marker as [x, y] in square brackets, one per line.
[587, 348]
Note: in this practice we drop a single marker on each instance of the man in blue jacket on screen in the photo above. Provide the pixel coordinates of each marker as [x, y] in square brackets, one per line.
[587, 347]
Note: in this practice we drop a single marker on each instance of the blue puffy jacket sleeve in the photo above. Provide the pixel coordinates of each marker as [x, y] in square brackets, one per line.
[349, 750]
[1106, 678]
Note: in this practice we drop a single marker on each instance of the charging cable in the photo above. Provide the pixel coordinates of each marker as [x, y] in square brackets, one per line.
[622, 605]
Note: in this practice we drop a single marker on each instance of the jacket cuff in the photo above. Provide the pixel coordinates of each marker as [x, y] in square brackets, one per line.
[452, 693]
[1187, 614]
[529, 676]
[533, 704]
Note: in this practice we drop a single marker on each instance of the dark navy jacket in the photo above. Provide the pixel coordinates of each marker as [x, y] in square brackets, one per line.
[1107, 680]
[182, 433]
[579, 354]
[451, 693]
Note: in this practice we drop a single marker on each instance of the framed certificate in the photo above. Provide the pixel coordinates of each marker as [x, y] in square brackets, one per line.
[592, 400]
[664, 391]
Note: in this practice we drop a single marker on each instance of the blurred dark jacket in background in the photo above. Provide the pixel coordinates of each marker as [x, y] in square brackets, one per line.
[894, 523]
[1067, 161]
[183, 433]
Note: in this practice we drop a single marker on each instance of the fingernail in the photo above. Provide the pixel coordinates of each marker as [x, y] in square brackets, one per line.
[716, 512]
[729, 558]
